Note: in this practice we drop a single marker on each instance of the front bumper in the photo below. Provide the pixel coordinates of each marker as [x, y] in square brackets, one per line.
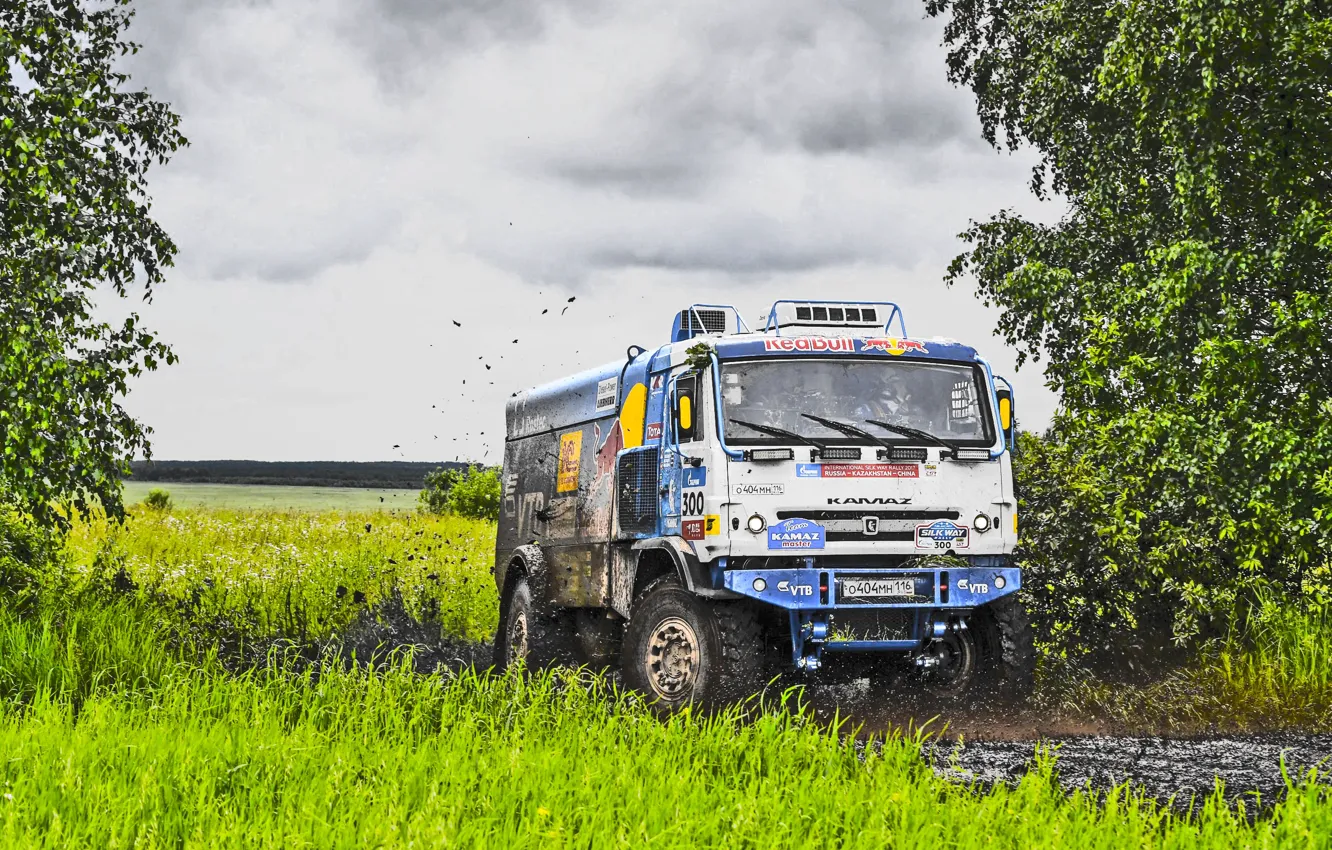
[828, 588]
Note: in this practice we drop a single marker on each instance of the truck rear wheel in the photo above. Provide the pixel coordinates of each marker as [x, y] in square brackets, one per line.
[680, 649]
[528, 634]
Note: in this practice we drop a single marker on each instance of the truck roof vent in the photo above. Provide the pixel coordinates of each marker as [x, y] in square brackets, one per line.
[824, 317]
[705, 320]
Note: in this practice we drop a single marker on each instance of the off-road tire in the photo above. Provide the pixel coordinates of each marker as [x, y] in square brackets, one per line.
[547, 633]
[668, 623]
[966, 657]
[1008, 653]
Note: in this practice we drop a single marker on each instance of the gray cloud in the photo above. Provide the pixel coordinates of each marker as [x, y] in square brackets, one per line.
[363, 172]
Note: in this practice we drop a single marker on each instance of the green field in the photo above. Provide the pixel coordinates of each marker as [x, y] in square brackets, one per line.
[276, 496]
[131, 714]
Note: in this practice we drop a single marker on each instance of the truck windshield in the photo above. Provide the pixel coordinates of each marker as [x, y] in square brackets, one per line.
[947, 400]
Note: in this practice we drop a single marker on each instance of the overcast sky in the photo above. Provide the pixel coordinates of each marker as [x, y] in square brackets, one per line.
[364, 173]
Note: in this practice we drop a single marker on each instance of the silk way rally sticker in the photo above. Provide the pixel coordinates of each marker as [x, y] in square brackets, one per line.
[795, 534]
[942, 534]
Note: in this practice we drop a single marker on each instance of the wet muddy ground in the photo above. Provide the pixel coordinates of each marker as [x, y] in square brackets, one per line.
[987, 742]
[1164, 768]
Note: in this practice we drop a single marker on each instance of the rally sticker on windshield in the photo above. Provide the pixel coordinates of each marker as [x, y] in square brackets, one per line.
[796, 534]
[942, 534]
[857, 470]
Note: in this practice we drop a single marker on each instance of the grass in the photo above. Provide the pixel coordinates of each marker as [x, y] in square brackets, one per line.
[274, 496]
[296, 574]
[120, 723]
[140, 748]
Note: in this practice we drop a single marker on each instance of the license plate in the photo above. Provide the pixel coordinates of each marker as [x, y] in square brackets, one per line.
[878, 587]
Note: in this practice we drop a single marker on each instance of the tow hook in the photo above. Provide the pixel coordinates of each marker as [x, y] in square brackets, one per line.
[930, 655]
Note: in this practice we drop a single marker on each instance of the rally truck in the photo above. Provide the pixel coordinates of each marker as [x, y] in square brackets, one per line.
[826, 494]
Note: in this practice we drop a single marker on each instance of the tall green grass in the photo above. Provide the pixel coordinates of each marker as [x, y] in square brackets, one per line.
[165, 752]
[305, 575]
[1272, 671]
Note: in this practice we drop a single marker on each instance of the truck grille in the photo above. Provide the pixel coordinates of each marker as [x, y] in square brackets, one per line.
[637, 475]
[848, 526]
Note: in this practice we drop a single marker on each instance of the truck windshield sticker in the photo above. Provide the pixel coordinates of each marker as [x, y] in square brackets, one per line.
[571, 455]
[894, 345]
[759, 490]
[695, 476]
[857, 470]
[810, 343]
[942, 534]
[607, 391]
[796, 534]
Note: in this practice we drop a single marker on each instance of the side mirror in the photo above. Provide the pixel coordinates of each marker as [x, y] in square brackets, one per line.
[1005, 397]
[686, 388]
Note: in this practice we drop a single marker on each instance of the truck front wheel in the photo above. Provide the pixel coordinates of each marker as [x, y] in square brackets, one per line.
[680, 649]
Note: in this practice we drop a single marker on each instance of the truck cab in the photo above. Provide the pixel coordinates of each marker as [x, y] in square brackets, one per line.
[826, 493]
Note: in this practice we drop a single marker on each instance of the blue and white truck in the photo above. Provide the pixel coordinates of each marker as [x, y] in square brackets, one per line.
[824, 494]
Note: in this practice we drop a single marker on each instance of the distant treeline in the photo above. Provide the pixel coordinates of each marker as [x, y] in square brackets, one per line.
[398, 475]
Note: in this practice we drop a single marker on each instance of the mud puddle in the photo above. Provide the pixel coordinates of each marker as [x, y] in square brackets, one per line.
[985, 741]
[1183, 769]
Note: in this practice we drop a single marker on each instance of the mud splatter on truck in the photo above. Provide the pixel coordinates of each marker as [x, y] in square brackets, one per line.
[825, 494]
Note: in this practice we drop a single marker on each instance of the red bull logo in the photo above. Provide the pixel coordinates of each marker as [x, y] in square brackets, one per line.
[894, 345]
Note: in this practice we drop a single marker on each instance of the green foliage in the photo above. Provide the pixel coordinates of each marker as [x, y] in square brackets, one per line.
[477, 494]
[28, 557]
[1184, 301]
[75, 148]
[157, 500]
[434, 498]
[473, 493]
[699, 355]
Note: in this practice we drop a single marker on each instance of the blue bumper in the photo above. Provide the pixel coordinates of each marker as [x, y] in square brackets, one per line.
[820, 589]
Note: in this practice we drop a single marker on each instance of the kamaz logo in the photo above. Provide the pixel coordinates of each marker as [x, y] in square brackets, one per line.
[870, 500]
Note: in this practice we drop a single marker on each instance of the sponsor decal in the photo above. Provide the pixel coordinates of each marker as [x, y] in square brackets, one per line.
[810, 343]
[942, 534]
[759, 490]
[894, 345]
[977, 587]
[657, 382]
[692, 529]
[870, 500]
[809, 470]
[695, 476]
[712, 525]
[607, 391]
[672, 523]
[654, 431]
[931, 470]
[571, 455]
[795, 589]
[796, 534]
[870, 470]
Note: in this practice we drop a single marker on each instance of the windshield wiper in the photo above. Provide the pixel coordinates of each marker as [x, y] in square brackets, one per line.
[916, 433]
[780, 432]
[848, 429]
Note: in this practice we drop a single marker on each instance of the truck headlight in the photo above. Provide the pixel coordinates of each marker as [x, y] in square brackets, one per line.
[757, 523]
[981, 523]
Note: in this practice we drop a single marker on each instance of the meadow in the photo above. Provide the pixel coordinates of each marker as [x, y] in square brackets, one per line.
[128, 717]
[274, 496]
